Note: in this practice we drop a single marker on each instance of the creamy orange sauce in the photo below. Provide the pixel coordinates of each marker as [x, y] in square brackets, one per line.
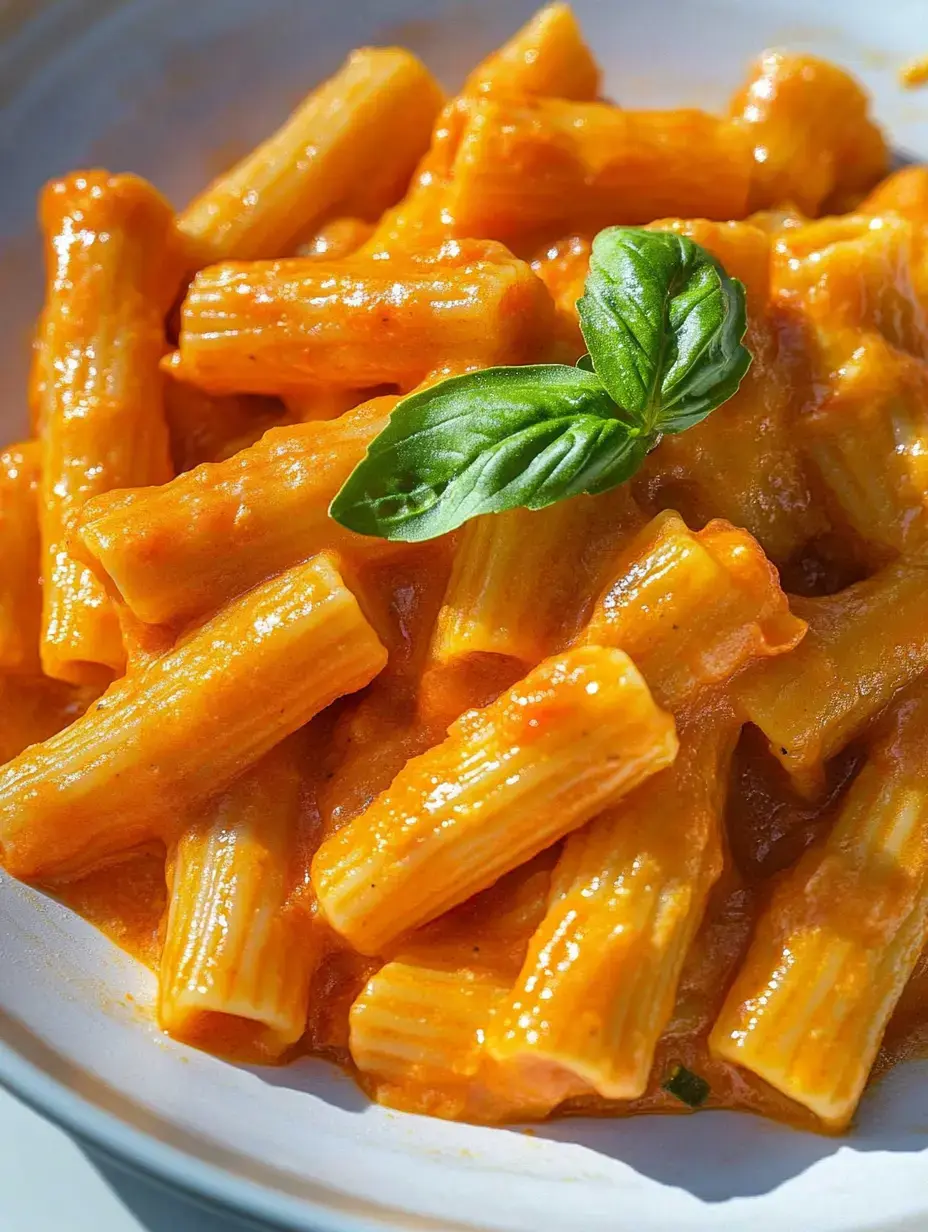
[354, 751]
[542, 174]
[125, 901]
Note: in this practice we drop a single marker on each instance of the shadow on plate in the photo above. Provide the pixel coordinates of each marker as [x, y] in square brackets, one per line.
[316, 1077]
[686, 1153]
[707, 1155]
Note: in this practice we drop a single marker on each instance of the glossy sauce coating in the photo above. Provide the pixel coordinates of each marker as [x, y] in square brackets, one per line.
[772, 825]
[647, 593]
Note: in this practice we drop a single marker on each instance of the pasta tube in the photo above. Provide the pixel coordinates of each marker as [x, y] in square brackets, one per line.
[600, 978]
[575, 735]
[234, 945]
[813, 137]
[351, 146]
[417, 1030]
[904, 193]
[270, 327]
[267, 506]
[418, 1025]
[862, 645]
[422, 219]
[850, 274]
[563, 267]
[417, 1034]
[114, 266]
[690, 609]
[833, 951]
[20, 558]
[183, 726]
[554, 167]
[519, 577]
[867, 440]
[546, 58]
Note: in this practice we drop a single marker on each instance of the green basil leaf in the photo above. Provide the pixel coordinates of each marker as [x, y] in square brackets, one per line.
[485, 442]
[663, 323]
[586, 363]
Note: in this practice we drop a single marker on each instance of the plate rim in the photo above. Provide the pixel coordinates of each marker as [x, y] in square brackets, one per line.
[178, 1169]
[181, 1169]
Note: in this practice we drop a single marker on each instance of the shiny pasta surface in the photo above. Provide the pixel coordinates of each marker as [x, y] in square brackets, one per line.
[618, 806]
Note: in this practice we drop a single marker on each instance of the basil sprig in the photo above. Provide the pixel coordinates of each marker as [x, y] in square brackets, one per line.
[663, 324]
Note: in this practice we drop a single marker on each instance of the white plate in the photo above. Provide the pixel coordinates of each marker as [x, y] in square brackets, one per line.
[158, 87]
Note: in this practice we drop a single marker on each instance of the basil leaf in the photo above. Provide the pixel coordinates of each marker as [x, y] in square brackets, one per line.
[586, 363]
[485, 442]
[663, 323]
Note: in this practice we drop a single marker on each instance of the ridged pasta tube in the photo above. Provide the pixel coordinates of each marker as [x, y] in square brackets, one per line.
[351, 145]
[575, 735]
[271, 327]
[691, 608]
[183, 725]
[834, 949]
[267, 506]
[598, 984]
[114, 265]
[233, 944]
[20, 558]
[862, 645]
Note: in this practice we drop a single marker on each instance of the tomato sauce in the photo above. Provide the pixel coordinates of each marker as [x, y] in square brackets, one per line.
[352, 753]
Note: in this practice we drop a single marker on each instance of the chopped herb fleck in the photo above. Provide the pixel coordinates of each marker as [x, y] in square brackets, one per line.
[687, 1087]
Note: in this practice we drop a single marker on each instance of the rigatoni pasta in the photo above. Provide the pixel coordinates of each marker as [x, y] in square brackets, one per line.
[187, 724]
[237, 942]
[866, 443]
[268, 328]
[835, 947]
[453, 629]
[494, 604]
[114, 265]
[547, 58]
[863, 644]
[550, 167]
[852, 274]
[809, 121]
[690, 609]
[579, 732]
[418, 1036]
[601, 974]
[448, 1042]
[268, 503]
[20, 554]
[351, 145]
[418, 1028]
